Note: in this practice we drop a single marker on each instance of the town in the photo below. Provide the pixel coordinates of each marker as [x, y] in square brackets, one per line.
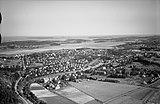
[134, 63]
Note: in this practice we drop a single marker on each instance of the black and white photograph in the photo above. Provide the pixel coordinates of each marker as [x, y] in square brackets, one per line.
[79, 51]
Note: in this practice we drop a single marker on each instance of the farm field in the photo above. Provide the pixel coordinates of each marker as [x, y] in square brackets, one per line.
[124, 100]
[141, 94]
[77, 96]
[104, 91]
[47, 96]
[155, 98]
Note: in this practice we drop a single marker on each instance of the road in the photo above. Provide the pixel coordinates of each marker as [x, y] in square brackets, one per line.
[151, 90]
[15, 87]
[155, 87]
[155, 84]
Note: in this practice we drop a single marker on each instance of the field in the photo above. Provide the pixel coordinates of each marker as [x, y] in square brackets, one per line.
[124, 100]
[68, 95]
[77, 96]
[103, 91]
[47, 96]
[156, 97]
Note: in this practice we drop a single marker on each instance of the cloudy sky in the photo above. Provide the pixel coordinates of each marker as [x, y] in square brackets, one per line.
[79, 17]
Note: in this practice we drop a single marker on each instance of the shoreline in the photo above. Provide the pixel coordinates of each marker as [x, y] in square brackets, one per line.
[92, 45]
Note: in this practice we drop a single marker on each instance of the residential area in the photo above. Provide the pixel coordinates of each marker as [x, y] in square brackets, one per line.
[135, 64]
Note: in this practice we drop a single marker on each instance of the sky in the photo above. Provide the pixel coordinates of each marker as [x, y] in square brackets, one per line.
[79, 17]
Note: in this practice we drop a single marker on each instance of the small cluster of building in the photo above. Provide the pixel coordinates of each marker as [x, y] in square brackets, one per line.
[60, 81]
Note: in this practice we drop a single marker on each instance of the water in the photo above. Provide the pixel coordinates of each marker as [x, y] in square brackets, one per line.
[88, 44]
[24, 38]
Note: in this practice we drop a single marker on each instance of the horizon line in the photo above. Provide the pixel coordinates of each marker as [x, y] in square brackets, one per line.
[88, 35]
